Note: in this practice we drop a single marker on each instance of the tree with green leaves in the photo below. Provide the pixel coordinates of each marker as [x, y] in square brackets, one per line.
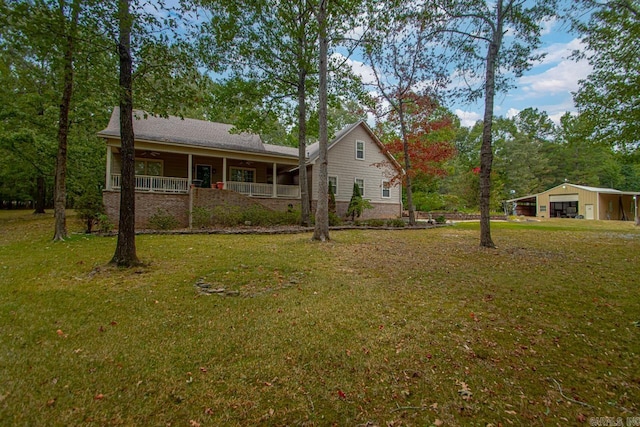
[609, 95]
[521, 161]
[400, 51]
[579, 158]
[125, 254]
[44, 45]
[273, 46]
[153, 53]
[357, 204]
[69, 17]
[483, 49]
[270, 51]
[321, 229]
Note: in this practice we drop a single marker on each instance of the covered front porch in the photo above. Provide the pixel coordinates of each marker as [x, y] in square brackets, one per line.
[175, 173]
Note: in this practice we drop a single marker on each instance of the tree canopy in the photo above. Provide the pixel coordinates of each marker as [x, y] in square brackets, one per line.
[610, 96]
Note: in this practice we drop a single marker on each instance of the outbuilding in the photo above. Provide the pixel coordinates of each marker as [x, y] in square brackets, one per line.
[578, 201]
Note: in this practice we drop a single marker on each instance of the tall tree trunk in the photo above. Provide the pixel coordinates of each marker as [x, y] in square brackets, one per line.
[41, 195]
[60, 189]
[302, 149]
[125, 254]
[407, 164]
[486, 150]
[321, 231]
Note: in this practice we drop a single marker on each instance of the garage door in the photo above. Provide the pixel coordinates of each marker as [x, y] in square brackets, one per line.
[564, 198]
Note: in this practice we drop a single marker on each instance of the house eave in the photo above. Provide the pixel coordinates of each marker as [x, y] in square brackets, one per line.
[182, 148]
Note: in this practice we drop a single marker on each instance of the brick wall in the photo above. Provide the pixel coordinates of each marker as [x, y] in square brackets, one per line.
[279, 204]
[210, 198]
[148, 204]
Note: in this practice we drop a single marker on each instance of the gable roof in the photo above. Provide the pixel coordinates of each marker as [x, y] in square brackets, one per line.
[313, 151]
[192, 132]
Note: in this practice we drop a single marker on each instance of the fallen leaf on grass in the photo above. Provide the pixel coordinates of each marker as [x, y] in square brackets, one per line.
[98, 396]
[194, 423]
[341, 394]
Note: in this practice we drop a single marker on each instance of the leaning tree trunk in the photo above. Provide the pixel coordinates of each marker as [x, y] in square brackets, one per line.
[60, 189]
[486, 150]
[302, 150]
[125, 254]
[321, 231]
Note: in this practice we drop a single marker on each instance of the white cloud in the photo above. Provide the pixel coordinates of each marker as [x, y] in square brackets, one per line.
[467, 118]
[558, 52]
[556, 111]
[359, 68]
[562, 78]
[548, 25]
[512, 112]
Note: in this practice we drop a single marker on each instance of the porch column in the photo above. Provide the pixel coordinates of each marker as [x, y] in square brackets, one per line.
[190, 170]
[224, 172]
[107, 183]
[275, 180]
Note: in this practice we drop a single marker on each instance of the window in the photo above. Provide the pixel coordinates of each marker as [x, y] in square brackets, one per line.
[242, 174]
[360, 183]
[333, 183]
[386, 189]
[148, 167]
[360, 150]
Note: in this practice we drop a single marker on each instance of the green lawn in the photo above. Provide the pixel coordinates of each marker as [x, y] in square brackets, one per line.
[377, 328]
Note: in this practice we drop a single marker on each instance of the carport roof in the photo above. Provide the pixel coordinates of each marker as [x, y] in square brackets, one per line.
[532, 197]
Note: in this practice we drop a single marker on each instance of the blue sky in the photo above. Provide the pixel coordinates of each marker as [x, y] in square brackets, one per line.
[547, 86]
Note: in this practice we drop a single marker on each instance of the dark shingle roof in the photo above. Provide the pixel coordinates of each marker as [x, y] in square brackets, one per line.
[191, 132]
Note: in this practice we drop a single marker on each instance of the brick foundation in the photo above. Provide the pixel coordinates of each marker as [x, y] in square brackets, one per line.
[147, 204]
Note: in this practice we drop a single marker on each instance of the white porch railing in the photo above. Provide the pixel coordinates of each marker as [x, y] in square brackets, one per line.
[155, 184]
[263, 190]
[163, 184]
[292, 191]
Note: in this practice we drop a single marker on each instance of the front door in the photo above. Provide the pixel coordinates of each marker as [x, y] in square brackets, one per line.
[588, 211]
[203, 174]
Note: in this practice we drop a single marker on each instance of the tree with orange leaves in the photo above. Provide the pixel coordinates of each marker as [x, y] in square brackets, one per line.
[419, 134]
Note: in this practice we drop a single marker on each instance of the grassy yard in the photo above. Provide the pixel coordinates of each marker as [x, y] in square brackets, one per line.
[376, 328]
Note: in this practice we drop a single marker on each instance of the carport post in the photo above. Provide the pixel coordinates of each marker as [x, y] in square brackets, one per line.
[635, 204]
